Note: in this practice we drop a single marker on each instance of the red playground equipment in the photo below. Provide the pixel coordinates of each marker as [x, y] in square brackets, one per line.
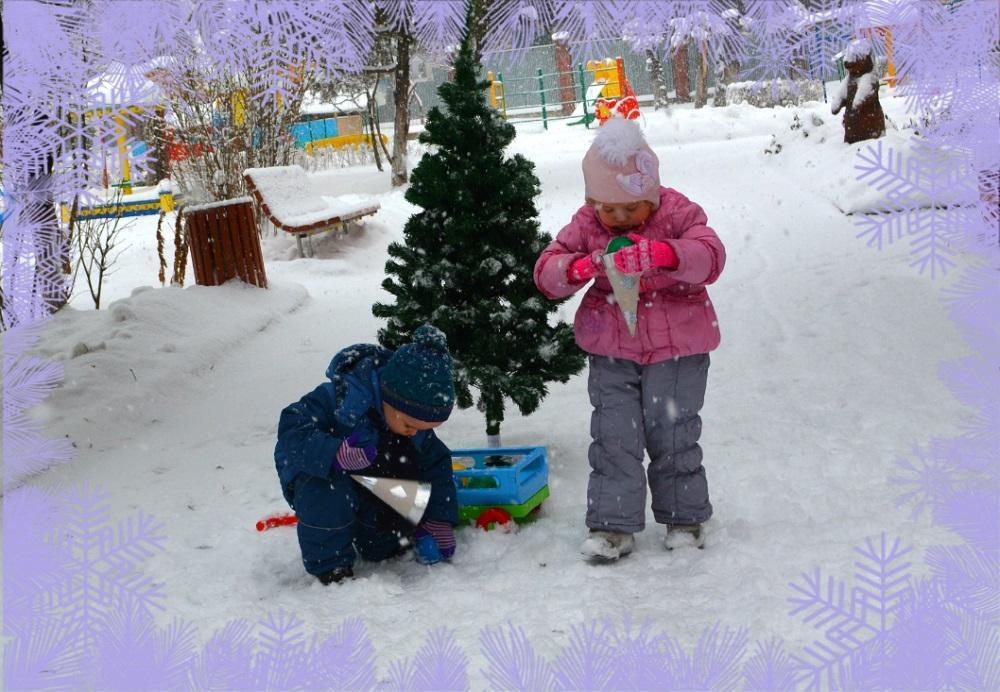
[618, 98]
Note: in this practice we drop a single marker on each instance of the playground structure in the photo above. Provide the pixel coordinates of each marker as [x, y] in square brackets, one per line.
[150, 202]
[335, 132]
[608, 93]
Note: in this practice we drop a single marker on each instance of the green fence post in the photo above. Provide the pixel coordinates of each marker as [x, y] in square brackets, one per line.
[583, 95]
[541, 94]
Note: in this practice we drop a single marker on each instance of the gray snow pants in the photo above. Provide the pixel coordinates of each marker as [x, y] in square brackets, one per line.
[653, 408]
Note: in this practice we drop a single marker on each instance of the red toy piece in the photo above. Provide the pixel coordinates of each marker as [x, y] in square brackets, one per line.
[626, 107]
[495, 516]
[277, 520]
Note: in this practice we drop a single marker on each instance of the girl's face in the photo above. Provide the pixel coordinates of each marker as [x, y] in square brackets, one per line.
[623, 217]
[402, 424]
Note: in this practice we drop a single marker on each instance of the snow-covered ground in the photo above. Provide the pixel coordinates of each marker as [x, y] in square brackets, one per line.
[827, 373]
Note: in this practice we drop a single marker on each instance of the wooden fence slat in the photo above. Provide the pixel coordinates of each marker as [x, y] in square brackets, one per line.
[252, 238]
[196, 244]
[236, 235]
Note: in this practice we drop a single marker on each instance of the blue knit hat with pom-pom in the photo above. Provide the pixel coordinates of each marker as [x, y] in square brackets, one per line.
[418, 380]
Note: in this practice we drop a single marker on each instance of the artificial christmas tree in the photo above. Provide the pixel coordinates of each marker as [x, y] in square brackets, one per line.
[467, 260]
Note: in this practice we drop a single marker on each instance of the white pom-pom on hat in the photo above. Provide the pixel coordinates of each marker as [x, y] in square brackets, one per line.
[618, 140]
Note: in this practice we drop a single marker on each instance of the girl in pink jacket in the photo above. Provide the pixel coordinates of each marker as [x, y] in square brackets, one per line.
[646, 389]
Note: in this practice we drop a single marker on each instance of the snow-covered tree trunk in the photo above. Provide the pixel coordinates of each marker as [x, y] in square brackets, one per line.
[701, 86]
[661, 98]
[157, 140]
[401, 100]
[371, 124]
[682, 86]
[725, 74]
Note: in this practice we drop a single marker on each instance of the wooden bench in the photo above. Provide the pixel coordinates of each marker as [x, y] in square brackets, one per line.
[289, 201]
[224, 243]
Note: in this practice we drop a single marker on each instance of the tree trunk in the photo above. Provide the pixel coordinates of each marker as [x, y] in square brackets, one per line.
[729, 74]
[701, 88]
[49, 281]
[50, 250]
[158, 129]
[661, 99]
[401, 122]
[682, 86]
[568, 94]
[370, 126]
[493, 405]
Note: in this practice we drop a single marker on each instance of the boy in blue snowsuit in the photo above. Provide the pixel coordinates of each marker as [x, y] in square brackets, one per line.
[375, 417]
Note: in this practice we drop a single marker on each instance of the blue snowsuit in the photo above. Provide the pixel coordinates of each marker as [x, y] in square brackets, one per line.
[336, 516]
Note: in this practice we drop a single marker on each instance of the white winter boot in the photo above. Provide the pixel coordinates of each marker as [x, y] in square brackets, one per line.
[679, 535]
[607, 545]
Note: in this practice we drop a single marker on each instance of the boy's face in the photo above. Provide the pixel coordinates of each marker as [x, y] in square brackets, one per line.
[622, 217]
[402, 424]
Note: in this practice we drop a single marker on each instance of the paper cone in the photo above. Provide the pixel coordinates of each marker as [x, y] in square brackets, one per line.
[408, 498]
[626, 288]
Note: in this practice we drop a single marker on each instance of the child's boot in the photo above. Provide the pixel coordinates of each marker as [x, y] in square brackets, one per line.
[607, 545]
[683, 534]
[335, 576]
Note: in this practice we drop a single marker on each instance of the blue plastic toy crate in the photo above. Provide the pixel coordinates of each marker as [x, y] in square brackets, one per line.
[521, 473]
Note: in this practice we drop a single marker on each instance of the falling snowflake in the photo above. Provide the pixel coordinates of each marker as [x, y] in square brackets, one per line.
[438, 665]
[827, 27]
[513, 26]
[27, 381]
[589, 25]
[513, 663]
[770, 668]
[975, 381]
[850, 621]
[439, 24]
[771, 45]
[713, 664]
[918, 191]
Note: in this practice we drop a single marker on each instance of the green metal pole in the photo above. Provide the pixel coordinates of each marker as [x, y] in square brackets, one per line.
[541, 93]
[583, 95]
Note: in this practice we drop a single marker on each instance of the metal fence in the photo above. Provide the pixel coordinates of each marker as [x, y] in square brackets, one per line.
[523, 72]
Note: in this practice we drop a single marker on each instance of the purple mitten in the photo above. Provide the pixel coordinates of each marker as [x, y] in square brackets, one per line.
[442, 533]
[354, 455]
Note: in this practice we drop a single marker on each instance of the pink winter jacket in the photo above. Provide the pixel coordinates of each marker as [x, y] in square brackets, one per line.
[675, 316]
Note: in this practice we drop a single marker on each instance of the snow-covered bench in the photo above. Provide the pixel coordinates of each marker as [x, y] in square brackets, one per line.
[288, 200]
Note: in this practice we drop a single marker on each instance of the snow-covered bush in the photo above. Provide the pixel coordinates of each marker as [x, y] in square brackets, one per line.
[778, 92]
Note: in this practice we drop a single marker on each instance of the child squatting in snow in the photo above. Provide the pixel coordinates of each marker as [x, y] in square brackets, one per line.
[646, 389]
[374, 417]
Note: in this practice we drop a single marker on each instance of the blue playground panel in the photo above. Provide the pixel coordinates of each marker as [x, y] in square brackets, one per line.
[522, 473]
[313, 130]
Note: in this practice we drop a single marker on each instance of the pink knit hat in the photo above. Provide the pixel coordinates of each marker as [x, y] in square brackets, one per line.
[620, 167]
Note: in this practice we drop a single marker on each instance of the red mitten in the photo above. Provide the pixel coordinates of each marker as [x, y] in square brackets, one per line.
[586, 268]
